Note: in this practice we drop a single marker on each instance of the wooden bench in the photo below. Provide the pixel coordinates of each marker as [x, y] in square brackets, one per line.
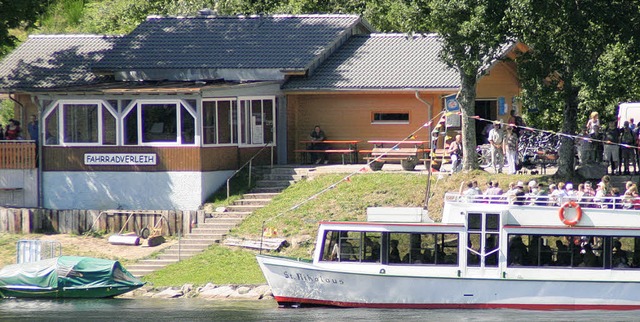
[408, 157]
[343, 147]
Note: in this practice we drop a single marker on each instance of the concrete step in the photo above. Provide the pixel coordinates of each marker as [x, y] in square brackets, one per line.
[230, 215]
[295, 170]
[273, 183]
[197, 240]
[198, 235]
[221, 230]
[268, 189]
[156, 261]
[181, 256]
[186, 246]
[183, 252]
[283, 176]
[244, 208]
[259, 195]
[252, 201]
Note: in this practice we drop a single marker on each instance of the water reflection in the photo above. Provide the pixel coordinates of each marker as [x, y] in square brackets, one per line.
[204, 310]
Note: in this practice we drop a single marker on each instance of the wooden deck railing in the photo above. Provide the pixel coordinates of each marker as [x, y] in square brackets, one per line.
[19, 154]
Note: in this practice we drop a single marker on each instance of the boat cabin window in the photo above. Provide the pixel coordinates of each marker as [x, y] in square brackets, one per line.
[414, 248]
[352, 246]
[483, 239]
[592, 252]
[391, 248]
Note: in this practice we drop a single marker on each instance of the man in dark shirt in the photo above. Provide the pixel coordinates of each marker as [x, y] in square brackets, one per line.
[611, 148]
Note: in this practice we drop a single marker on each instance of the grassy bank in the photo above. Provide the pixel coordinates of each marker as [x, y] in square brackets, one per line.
[294, 214]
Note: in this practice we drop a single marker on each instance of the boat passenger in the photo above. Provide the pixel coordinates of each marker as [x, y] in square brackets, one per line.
[394, 253]
[536, 195]
[373, 250]
[589, 259]
[342, 249]
[519, 195]
[588, 194]
[492, 195]
[470, 194]
[510, 194]
[600, 198]
[517, 252]
[619, 258]
[563, 258]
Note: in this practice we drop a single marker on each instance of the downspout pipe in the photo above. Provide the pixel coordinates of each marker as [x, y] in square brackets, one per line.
[427, 190]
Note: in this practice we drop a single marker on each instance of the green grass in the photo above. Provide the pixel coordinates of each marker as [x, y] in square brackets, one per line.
[218, 265]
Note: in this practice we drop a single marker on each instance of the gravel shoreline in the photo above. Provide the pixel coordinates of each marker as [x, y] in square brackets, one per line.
[209, 291]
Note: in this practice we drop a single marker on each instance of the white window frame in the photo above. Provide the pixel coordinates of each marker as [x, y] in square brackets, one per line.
[382, 122]
[239, 120]
[59, 104]
[179, 104]
[234, 134]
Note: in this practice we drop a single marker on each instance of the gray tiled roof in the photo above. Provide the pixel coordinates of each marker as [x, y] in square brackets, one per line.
[44, 62]
[382, 61]
[283, 42]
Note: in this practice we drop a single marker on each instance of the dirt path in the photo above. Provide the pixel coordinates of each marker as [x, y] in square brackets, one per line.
[92, 247]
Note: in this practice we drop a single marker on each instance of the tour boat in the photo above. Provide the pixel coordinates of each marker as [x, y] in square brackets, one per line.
[67, 277]
[485, 253]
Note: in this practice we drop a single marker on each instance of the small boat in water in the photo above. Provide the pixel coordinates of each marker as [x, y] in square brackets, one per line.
[539, 255]
[67, 277]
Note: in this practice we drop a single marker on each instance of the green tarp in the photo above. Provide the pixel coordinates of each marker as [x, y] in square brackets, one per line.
[67, 272]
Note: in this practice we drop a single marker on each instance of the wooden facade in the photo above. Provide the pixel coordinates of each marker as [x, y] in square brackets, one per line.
[348, 115]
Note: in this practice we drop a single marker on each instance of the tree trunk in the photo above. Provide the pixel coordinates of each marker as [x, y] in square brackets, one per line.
[566, 158]
[467, 101]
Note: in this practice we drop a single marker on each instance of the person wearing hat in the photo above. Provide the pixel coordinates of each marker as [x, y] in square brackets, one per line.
[519, 194]
[496, 138]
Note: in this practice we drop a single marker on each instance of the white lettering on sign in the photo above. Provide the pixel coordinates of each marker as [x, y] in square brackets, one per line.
[120, 159]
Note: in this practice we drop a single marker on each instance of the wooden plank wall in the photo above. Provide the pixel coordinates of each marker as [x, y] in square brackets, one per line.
[29, 220]
[17, 154]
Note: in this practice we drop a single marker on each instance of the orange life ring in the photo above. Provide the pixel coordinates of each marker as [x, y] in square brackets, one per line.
[575, 221]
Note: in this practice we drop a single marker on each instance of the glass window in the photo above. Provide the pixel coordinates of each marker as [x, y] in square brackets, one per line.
[593, 252]
[342, 246]
[80, 123]
[188, 127]
[218, 122]
[414, 248]
[91, 123]
[257, 121]
[159, 122]
[131, 128]
[51, 128]
[383, 117]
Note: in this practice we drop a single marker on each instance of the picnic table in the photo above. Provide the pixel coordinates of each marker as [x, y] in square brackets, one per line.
[346, 148]
[408, 153]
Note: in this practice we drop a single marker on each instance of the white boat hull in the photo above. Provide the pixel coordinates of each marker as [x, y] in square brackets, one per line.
[300, 283]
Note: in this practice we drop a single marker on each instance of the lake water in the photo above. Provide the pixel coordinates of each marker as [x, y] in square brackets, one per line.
[204, 310]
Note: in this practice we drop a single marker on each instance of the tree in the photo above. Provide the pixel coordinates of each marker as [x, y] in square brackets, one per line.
[473, 34]
[568, 38]
[17, 14]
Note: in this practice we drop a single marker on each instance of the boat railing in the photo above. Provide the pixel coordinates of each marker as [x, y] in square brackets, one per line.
[606, 202]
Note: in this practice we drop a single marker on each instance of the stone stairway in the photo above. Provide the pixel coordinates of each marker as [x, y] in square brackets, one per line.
[217, 224]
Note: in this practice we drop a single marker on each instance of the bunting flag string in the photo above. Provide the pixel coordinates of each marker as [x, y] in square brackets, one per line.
[567, 135]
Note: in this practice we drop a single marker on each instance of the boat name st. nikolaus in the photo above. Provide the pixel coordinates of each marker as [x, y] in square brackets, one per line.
[313, 279]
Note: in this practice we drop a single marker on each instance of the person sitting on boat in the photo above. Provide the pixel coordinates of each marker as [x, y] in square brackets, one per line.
[587, 194]
[601, 198]
[589, 258]
[470, 194]
[373, 249]
[536, 195]
[343, 249]
[394, 253]
[520, 196]
[494, 193]
[619, 258]
[518, 253]
[563, 257]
